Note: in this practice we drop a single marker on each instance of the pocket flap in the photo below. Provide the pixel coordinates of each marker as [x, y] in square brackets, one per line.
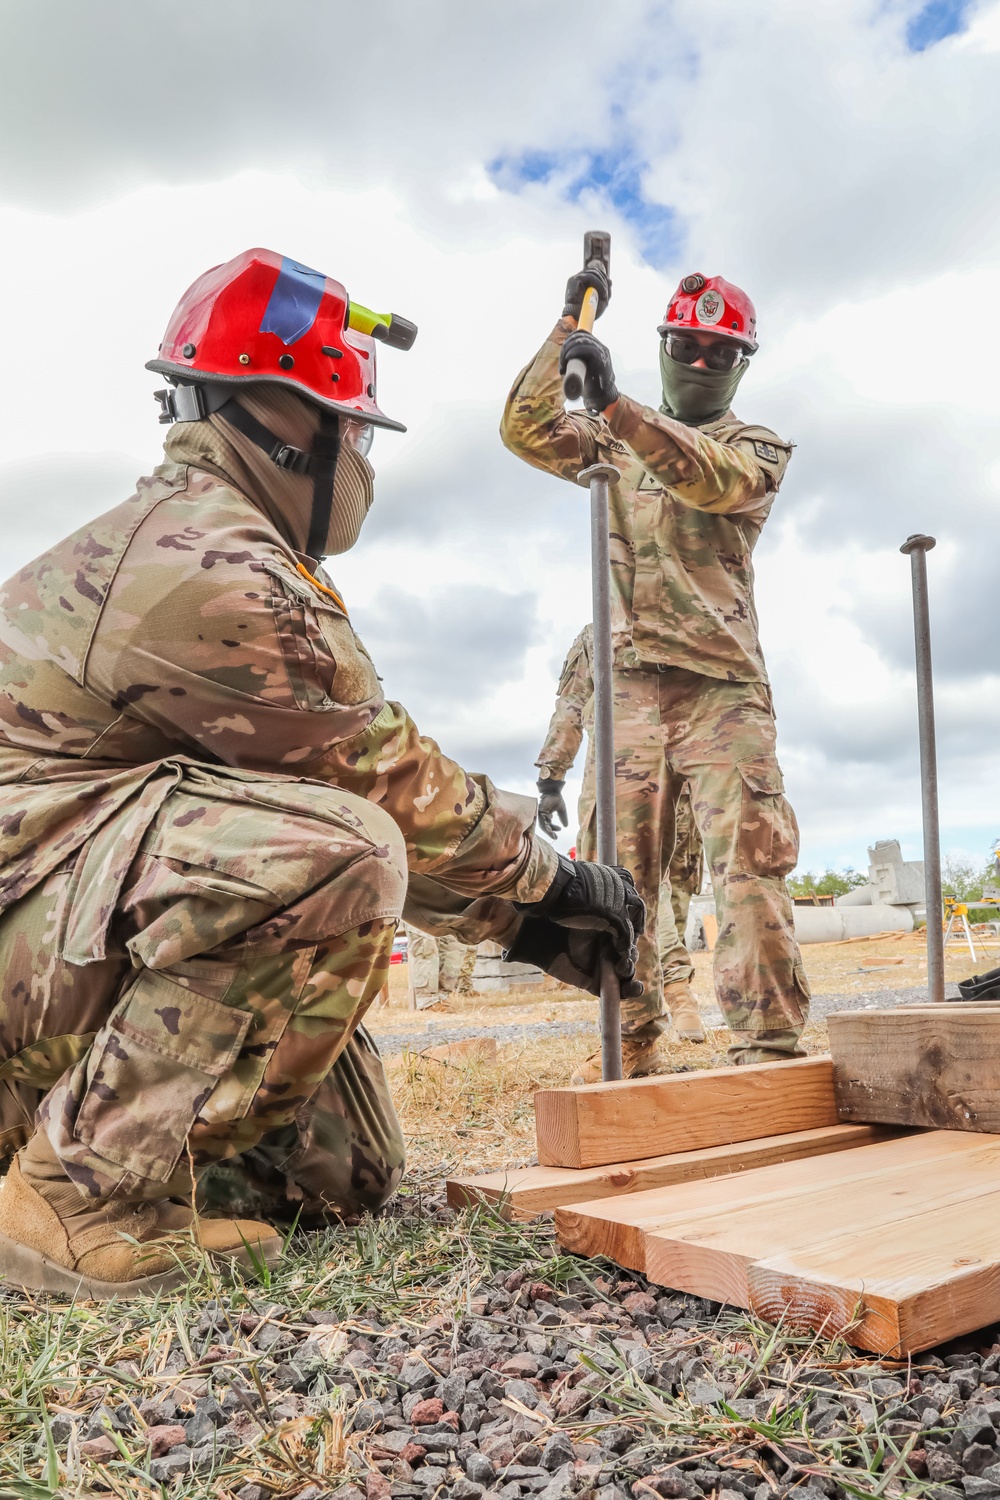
[762, 776]
[193, 1030]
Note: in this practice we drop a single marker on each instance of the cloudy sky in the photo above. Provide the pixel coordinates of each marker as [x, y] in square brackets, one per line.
[443, 159]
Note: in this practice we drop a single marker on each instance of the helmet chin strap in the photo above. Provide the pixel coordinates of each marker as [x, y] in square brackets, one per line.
[325, 452]
[192, 403]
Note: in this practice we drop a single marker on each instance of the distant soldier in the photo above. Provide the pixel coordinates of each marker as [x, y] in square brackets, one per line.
[212, 818]
[692, 701]
[437, 967]
[573, 715]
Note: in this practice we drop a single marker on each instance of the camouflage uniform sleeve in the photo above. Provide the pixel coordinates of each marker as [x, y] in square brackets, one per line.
[738, 475]
[576, 688]
[265, 673]
[535, 423]
[470, 836]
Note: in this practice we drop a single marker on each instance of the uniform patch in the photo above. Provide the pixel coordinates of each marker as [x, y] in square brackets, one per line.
[767, 451]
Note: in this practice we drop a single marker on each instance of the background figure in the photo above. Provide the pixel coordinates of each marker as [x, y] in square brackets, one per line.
[667, 967]
[437, 967]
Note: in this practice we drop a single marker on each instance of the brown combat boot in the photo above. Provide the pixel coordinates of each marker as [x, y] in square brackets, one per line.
[54, 1240]
[683, 1010]
[641, 1056]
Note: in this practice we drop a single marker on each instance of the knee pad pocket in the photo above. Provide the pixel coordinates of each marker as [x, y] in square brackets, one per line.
[153, 1067]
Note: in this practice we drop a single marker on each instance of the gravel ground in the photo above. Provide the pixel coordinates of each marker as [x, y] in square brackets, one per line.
[389, 1044]
[392, 1042]
[548, 1376]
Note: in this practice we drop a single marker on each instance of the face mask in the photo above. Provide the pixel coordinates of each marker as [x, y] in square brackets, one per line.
[695, 397]
[353, 492]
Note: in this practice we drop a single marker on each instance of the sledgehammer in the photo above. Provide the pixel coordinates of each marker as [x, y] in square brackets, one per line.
[597, 250]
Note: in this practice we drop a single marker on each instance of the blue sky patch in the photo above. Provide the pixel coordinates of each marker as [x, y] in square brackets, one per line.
[615, 174]
[938, 19]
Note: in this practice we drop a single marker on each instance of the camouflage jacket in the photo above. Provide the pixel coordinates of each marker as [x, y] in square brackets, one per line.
[181, 628]
[685, 517]
[574, 710]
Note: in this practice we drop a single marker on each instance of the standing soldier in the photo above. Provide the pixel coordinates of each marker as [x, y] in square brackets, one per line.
[437, 967]
[692, 701]
[684, 864]
[209, 813]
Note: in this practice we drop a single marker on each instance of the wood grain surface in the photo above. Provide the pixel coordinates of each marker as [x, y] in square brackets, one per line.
[935, 1066]
[526, 1192]
[599, 1124]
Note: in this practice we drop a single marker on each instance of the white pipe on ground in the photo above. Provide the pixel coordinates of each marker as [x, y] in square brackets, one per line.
[832, 924]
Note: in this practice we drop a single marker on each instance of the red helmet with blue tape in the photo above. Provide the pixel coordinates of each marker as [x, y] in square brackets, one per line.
[263, 317]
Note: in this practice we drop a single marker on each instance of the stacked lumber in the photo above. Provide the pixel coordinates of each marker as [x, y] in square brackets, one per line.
[894, 1246]
[748, 1186]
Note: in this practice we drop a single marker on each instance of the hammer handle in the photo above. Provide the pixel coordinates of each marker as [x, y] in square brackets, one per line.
[576, 370]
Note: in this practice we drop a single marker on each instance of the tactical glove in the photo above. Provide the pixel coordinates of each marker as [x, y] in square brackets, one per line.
[599, 389]
[577, 285]
[588, 913]
[551, 806]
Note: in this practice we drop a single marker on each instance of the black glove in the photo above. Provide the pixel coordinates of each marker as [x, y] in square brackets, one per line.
[599, 389]
[589, 912]
[551, 806]
[576, 286]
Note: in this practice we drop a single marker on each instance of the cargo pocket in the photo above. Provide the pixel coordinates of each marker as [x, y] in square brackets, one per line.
[768, 842]
[152, 1068]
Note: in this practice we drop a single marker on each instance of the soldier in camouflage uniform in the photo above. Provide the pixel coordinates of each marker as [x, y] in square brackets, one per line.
[684, 864]
[209, 816]
[437, 967]
[692, 701]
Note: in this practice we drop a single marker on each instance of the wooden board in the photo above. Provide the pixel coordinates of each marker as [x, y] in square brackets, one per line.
[895, 1246]
[526, 1192]
[934, 1065]
[598, 1124]
[619, 1228]
[935, 1277]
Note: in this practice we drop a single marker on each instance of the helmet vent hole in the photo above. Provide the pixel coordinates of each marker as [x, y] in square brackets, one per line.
[335, 377]
[286, 362]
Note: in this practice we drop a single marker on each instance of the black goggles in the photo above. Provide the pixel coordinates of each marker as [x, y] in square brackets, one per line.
[724, 354]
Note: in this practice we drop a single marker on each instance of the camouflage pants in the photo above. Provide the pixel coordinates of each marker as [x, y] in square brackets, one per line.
[677, 726]
[250, 935]
[437, 966]
[684, 866]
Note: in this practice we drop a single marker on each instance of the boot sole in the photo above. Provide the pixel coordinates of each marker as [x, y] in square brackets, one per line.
[32, 1271]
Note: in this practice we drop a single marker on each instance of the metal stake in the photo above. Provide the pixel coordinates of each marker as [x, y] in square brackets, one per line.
[917, 547]
[599, 476]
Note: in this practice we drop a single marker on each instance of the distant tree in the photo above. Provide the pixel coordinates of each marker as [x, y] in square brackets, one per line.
[829, 883]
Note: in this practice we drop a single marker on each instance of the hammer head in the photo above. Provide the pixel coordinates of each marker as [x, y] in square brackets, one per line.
[597, 247]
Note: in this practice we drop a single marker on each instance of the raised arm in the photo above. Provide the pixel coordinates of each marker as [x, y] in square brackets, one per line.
[535, 423]
[737, 475]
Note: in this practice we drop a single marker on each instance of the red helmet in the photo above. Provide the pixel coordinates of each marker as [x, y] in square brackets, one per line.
[262, 317]
[711, 305]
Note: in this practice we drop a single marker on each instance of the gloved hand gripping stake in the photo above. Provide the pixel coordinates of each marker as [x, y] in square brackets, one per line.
[597, 247]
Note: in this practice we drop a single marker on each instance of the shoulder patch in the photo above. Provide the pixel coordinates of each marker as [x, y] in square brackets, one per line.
[767, 451]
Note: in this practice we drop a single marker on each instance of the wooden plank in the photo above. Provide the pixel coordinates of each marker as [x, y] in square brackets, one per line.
[623, 1228]
[715, 1253]
[932, 1066]
[934, 1278]
[598, 1124]
[526, 1192]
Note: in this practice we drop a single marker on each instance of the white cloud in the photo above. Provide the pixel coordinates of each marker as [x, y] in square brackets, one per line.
[850, 183]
